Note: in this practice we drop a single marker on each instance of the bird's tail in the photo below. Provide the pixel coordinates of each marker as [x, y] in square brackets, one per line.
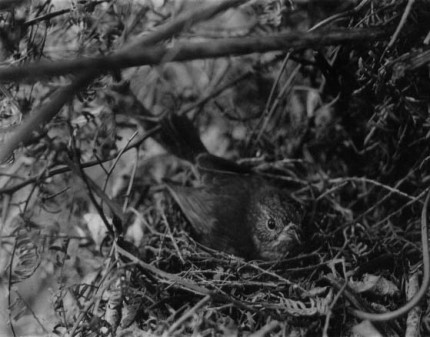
[181, 137]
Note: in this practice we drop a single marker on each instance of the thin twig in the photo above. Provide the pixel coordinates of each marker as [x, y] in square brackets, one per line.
[188, 314]
[63, 169]
[54, 14]
[202, 101]
[330, 310]
[116, 160]
[392, 190]
[400, 25]
[76, 167]
[9, 301]
[181, 283]
[390, 315]
[130, 184]
[169, 230]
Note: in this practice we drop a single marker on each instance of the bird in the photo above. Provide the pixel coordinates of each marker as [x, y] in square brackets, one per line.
[233, 209]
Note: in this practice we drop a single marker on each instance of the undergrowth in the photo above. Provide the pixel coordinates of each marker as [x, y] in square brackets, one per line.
[344, 127]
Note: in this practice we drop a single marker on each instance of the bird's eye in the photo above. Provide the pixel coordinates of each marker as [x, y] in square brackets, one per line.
[271, 224]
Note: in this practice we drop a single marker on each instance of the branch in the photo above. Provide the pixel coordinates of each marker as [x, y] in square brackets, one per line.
[86, 75]
[64, 169]
[45, 113]
[138, 55]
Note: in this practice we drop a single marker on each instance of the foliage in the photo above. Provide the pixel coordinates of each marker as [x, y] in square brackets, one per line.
[344, 126]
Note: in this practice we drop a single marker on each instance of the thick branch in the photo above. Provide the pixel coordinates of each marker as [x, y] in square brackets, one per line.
[185, 51]
[86, 75]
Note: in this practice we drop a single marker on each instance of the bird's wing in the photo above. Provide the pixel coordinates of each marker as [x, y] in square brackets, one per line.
[218, 219]
[195, 203]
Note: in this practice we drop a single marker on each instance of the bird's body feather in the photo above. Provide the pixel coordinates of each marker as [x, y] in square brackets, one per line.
[233, 209]
[217, 214]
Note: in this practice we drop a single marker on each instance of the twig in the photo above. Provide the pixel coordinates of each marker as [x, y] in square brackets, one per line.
[76, 167]
[214, 93]
[179, 282]
[130, 185]
[332, 304]
[400, 25]
[280, 278]
[52, 15]
[116, 161]
[266, 111]
[9, 302]
[169, 230]
[400, 209]
[188, 314]
[392, 190]
[32, 312]
[60, 170]
[265, 330]
[24, 132]
[282, 93]
[425, 282]
[271, 94]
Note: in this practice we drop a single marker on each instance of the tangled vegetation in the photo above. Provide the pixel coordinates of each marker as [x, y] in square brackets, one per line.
[330, 99]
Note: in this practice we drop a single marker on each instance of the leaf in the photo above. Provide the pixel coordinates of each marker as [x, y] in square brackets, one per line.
[18, 308]
[131, 306]
[365, 329]
[376, 285]
[96, 227]
[26, 258]
[114, 304]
